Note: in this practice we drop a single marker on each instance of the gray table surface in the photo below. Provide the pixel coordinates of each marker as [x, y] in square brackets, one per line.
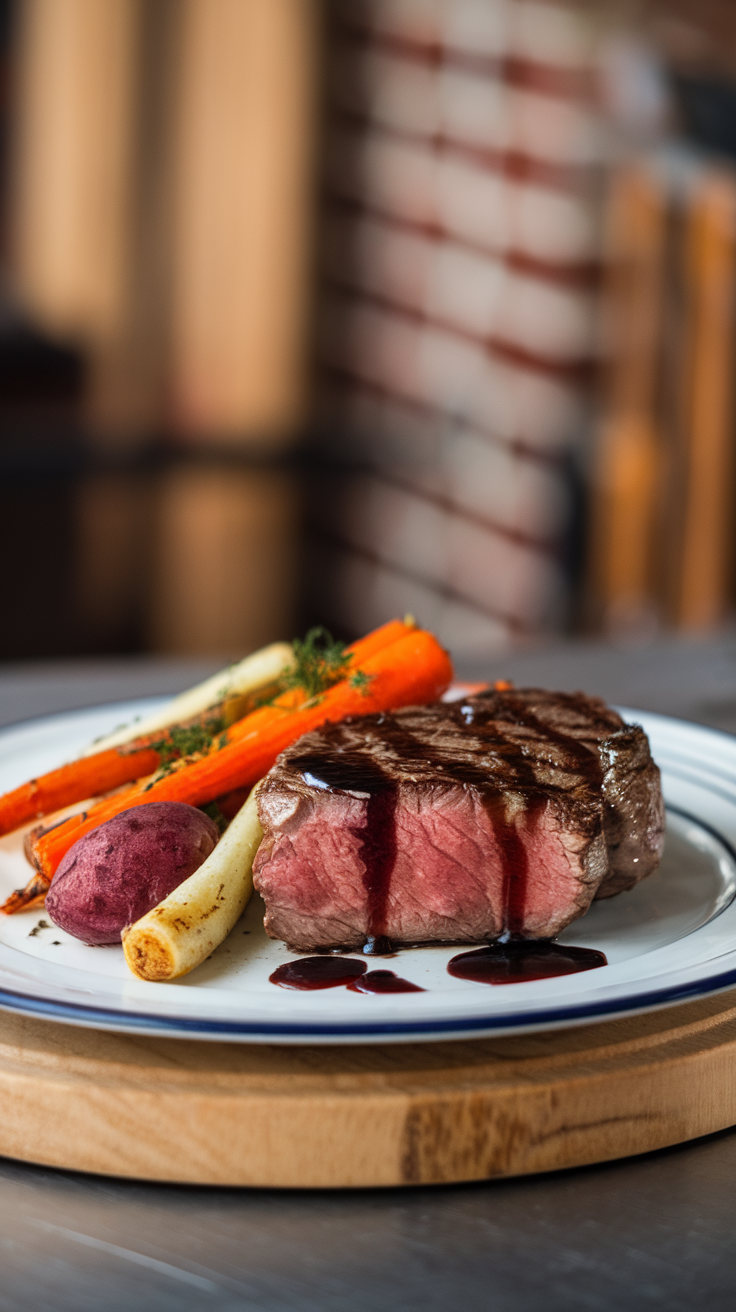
[657, 1232]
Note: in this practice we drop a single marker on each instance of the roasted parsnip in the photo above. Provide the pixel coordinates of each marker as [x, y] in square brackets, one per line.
[182, 931]
[228, 692]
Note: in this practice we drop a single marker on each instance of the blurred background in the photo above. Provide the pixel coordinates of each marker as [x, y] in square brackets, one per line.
[325, 312]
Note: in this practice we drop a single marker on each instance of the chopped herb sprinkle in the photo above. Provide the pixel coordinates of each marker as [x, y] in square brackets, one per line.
[361, 681]
[184, 741]
[321, 661]
[212, 810]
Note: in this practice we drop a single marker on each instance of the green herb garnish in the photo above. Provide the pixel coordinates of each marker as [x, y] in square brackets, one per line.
[186, 740]
[361, 681]
[321, 661]
[213, 811]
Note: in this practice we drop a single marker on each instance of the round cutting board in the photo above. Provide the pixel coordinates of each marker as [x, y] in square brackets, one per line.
[310, 1117]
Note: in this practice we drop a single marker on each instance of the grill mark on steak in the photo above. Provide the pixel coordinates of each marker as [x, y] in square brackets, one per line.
[517, 711]
[513, 851]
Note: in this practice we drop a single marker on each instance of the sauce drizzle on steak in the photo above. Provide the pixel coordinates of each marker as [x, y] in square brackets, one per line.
[572, 808]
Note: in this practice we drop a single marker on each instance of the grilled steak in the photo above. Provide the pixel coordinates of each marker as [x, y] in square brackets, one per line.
[503, 813]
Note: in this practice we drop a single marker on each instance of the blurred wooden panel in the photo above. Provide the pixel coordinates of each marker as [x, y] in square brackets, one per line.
[92, 195]
[624, 513]
[73, 161]
[223, 566]
[707, 494]
[129, 374]
[697, 35]
[242, 203]
[37, 550]
[113, 535]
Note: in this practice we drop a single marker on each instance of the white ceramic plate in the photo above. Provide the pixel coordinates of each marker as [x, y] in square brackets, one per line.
[670, 939]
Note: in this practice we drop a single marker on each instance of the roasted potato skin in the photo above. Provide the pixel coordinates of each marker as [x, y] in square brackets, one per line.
[115, 874]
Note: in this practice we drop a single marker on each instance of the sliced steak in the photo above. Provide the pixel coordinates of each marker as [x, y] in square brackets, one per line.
[506, 812]
[633, 807]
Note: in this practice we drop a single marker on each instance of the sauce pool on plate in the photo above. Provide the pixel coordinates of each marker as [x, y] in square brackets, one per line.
[524, 960]
[309, 973]
[383, 981]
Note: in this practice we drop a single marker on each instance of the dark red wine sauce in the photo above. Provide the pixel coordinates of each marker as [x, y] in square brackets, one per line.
[514, 858]
[350, 771]
[523, 960]
[309, 973]
[378, 853]
[383, 981]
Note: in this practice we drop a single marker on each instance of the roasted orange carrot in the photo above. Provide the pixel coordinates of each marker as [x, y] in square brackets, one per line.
[413, 670]
[29, 898]
[100, 773]
[72, 783]
[379, 639]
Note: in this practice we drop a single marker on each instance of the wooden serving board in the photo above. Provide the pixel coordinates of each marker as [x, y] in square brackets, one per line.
[305, 1117]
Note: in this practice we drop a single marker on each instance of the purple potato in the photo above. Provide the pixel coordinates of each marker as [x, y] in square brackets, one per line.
[116, 873]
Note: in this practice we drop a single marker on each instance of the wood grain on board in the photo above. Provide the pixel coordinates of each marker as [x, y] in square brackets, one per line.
[330, 1117]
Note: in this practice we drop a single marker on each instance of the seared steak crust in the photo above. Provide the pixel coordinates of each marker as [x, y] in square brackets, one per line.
[503, 812]
[633, 810]
[633, 807]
